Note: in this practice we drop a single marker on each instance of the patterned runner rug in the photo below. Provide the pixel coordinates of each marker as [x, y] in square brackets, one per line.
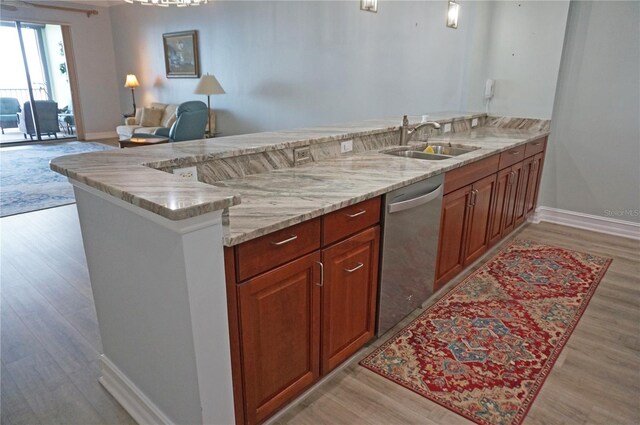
[485, 348]
[27, 183]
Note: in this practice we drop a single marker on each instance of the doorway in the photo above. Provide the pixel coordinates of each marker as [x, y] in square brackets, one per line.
[36, 102]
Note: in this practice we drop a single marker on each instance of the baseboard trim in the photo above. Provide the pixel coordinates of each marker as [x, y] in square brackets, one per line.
[101, 135]
[132, 399]
[610, 226]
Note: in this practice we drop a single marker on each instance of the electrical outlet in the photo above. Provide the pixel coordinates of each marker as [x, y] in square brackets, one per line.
[301, 155]
[346, 146]
[189, 173]
[474, 122]
[447, 128]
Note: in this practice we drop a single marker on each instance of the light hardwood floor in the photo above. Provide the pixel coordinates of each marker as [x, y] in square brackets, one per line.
[50, 342]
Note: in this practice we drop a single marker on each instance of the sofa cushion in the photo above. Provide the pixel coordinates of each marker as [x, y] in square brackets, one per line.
[126, 131]
[151, 117]
[169, 116]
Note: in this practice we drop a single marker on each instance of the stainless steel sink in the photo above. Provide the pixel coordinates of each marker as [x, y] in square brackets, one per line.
[440, 151]
[418, 155]
[445, 149]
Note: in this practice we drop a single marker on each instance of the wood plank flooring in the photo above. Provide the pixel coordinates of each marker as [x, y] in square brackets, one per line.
[50, 342]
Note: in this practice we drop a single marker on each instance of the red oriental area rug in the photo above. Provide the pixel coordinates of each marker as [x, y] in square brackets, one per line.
[485, 348]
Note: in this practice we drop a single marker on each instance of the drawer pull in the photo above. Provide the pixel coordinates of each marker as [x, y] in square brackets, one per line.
[359, 213]
[514, 152]
[291, 239]
[535, 143]
[359, 266]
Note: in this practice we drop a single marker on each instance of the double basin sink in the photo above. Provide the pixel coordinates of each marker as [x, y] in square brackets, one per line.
[438, 151]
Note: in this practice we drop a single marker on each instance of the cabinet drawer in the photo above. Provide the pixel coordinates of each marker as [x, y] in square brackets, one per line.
[277, 248]
[350, 220]
[535, 147]
[510, 157]
[467, 174]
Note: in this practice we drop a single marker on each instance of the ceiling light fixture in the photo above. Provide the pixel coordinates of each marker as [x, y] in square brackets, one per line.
[167, 3]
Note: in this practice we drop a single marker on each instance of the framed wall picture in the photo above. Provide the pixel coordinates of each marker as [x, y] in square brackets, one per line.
[181, 54]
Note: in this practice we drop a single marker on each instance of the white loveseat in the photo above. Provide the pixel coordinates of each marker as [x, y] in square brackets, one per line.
[132, 124]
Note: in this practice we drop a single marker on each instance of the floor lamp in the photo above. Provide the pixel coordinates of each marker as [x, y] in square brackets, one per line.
[131, 83]
[208, 85]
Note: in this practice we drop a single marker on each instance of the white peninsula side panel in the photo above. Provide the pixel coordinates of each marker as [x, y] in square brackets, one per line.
[160, 298]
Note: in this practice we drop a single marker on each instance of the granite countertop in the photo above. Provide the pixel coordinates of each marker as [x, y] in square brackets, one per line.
[263, 203]
[281, 198]
[132, 175]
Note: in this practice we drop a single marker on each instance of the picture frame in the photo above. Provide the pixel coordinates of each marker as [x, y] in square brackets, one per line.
[181, 57]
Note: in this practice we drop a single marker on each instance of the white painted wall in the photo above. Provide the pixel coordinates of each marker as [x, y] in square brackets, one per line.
[519, 46]
[593, 157]
[95, 61]
[296, 63]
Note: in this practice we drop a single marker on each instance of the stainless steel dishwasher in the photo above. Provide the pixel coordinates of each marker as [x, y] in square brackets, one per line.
[409, 249]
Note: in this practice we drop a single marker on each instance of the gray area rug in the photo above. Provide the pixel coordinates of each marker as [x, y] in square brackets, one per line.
[26, 181]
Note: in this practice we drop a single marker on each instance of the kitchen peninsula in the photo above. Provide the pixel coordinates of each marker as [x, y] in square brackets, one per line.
[155, 245]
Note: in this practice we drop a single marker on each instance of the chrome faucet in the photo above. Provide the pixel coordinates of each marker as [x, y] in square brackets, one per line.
[406, 135]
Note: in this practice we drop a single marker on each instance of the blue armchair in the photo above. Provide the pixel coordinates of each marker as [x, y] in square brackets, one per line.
[9, 108]
[191, 122]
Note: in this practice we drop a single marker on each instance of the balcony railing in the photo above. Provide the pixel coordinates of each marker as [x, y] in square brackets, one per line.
[39, 93]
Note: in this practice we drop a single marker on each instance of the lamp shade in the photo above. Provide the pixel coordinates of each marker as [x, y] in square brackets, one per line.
[209, 85]
[131, 81]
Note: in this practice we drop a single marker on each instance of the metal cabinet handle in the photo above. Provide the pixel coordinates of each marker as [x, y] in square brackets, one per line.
[513, 177]
[358, 267]
[535, 143]
[321, 273]
[415, 202]
[472, 198]
[292, 238]
[514, 152]
[356, 214]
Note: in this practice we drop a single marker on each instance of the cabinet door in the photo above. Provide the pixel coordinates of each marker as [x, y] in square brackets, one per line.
[500, 204]
[452, 235]
[510, 204]
[533, 185]
[479, 223]
[349, 296]
[522, 192]
[280, 334]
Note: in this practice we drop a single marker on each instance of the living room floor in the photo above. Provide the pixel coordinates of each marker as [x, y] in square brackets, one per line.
[50, 342]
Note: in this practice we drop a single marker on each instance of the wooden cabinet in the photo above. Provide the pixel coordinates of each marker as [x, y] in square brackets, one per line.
[479, 214]
[349, 296]
[280, 335]
[295, 314]
[453, 223]
[484, 202]
[464, 228]
[533, 184]
[503, 209]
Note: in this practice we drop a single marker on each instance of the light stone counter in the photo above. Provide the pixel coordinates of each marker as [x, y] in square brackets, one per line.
[281, 198]
[273, 199]
[132, 175]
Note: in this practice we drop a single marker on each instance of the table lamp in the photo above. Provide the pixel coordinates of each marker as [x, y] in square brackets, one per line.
[208, 85]
[131, 83]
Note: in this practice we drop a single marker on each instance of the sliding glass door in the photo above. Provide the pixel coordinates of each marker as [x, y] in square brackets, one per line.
[35, 95]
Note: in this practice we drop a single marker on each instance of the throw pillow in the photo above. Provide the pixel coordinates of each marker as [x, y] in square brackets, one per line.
[151, 117]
